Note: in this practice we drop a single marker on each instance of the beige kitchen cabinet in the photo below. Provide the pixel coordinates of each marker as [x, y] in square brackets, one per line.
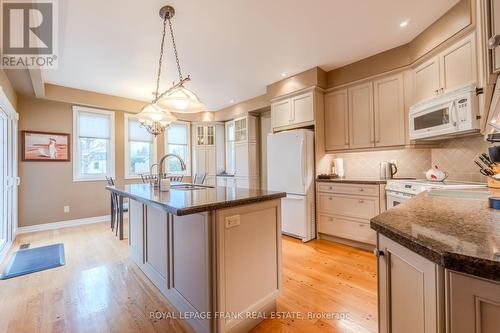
[361, 122]
[473, 304]
[494, 15]
[208, 150]
[246, 154]
[344, 212]
[294, 111]
[337, 120]
[411, 298]
[427, 82]
[450, 69]
[389, 111]
[281, 113]
[458, 64]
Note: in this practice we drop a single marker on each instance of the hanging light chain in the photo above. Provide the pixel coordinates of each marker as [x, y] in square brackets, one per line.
[174, 47]
[160, 61]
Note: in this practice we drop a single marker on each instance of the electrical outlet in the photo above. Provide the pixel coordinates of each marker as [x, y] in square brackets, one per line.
[232, 221]
[66, 209]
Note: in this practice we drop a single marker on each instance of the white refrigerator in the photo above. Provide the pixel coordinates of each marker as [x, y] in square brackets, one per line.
[290, 169]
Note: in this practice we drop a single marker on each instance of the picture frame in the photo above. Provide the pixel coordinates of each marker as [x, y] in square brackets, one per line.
[37, 146]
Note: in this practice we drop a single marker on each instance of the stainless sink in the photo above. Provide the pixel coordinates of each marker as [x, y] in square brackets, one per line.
[189, 187]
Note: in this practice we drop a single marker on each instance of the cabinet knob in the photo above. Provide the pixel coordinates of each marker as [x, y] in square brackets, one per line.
[361, 190]
[378, 253]
[494, 42]
[330, 219]
[329, 198]
[361, 201]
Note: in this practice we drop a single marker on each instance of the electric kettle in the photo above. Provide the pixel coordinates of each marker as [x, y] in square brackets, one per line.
[387, 170]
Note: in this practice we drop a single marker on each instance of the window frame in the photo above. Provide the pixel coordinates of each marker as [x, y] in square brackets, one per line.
[110, 162]
[187, 172]
[126, 145]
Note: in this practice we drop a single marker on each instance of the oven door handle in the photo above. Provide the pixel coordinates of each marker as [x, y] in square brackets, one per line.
[398, 195]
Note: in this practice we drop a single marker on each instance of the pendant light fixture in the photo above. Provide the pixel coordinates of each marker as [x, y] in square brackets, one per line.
[156, 116]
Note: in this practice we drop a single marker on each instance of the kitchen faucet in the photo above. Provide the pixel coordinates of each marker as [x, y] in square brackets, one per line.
[160, 166]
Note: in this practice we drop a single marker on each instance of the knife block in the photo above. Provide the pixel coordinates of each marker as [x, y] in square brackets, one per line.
[493, 183]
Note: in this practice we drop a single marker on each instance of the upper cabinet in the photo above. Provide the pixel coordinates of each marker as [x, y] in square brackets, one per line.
[366, 115]
[450, 69]
[389, 113]
[427, 79]
[336, 120]
[204, 134]
[361, 116]
[293, 111]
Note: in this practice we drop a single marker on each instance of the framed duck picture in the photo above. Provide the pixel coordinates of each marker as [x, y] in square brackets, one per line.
[45, 146]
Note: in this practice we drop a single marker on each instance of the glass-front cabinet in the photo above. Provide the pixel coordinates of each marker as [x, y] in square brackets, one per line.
[241, 129]
[205, 135]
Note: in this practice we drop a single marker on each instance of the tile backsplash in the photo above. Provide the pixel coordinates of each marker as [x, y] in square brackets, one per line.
[410, 162]
[456, 156]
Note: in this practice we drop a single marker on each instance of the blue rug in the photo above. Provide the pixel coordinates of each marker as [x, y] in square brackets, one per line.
[34, 260]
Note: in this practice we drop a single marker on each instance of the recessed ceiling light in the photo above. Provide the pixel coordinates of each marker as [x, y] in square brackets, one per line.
[283, 74]
[231, 101]
[404, 23]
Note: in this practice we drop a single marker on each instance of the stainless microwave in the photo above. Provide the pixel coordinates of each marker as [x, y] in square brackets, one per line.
[451, 114]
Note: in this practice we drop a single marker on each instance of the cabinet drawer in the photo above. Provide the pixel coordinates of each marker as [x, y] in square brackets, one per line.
[360, 189]
[347, 205]
[358, 230]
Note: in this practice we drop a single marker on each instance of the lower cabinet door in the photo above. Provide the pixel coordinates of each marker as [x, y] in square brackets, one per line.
[411, 299]
[474, 304]
[136, 235]
[156, 254]
[352, 229]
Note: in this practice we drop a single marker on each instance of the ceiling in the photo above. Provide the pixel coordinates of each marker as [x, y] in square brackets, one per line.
[231, 49]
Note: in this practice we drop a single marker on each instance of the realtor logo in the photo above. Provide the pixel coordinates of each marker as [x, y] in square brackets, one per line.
[29, 34]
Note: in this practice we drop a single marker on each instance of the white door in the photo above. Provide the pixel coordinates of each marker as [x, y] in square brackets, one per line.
[286, 167]
[4, 186]
[241, 159]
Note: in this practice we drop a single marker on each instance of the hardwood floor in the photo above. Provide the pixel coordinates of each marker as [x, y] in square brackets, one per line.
[101, 290]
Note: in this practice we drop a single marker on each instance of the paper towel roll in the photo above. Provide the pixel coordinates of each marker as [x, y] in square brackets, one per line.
[338, 164]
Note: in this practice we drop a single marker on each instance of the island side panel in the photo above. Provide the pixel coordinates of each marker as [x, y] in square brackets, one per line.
[248, 252]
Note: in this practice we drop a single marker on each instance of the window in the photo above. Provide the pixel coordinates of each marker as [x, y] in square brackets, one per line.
[140, 150]
[177, 142]
[93, 143]
[230, 137]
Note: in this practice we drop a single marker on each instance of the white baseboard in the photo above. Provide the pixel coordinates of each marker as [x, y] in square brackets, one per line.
[62, 224]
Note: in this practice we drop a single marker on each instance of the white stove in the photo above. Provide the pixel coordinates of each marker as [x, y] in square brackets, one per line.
[399, 191]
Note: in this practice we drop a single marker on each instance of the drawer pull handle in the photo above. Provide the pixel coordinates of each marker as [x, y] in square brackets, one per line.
[362, 225]
[378, 253]
[330, 219]
[329, 198]
[361, 201]
[361, 190]
[330, 188]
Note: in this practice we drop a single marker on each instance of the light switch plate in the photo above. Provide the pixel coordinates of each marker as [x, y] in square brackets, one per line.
[66, 209]
[232, 221]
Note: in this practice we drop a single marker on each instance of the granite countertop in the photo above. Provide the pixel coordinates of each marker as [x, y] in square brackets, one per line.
[185, 202]
[453, 228]
[375, 181]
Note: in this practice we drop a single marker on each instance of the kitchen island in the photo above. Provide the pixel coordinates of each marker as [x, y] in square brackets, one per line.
[213, 252]
[439, 263]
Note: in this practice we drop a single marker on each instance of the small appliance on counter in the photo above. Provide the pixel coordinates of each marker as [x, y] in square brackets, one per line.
[388, 170]
[436, 175]
[338, 167]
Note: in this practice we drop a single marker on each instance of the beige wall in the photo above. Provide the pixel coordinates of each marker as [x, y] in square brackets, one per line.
[454, 22]
[456, 156]
[48, 186]
[7, 88]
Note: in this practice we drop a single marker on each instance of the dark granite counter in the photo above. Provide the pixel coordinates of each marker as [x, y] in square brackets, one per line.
[453, 228]
[353, 181]
[184, 202]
